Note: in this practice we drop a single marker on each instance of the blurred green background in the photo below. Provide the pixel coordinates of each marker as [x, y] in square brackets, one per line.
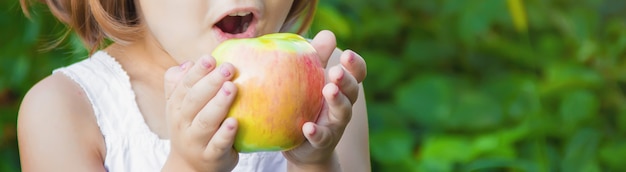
[453, 85]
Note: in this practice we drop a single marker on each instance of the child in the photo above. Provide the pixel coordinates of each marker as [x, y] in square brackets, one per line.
[153, 100]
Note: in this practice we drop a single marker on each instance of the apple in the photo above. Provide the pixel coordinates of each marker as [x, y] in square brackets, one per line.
[279, 79]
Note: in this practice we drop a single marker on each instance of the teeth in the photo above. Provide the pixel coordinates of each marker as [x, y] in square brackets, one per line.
[239, 14]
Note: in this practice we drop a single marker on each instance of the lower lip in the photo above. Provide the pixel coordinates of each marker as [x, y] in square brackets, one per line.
[223, 36]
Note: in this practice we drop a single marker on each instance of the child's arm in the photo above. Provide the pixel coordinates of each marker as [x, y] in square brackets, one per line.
[353, 148]
[57, 130]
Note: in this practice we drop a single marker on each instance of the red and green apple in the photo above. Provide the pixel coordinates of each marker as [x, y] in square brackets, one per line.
[279, 78]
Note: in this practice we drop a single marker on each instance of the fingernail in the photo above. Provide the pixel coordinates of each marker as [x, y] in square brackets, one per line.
[335, 91]
[206, 63]
[226, 91]
[340, 71]
[228, 123]
[224, 71]
[184, 65]
[331, 89]
[351, 57]
[311, 130]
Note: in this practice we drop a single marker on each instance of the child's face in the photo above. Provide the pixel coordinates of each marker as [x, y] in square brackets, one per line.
[187, 29]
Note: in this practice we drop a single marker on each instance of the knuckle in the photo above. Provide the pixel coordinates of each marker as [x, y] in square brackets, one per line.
[209, 155]
[180, 126]
[215, 79]
[187, 84]
[327, 140]
[218, 149]
[205, 124]
[220, 103]
[353, 95]
[347, 115]
[345, 112]
[363, 72]
[213, 153]
[193, 98]
[176, 124]
[172, 114]
[342, 113]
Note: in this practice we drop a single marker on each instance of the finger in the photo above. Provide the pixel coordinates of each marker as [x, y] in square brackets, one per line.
[191, 101]
[319, 137]
[196, 71]
[206, 88]
[172, 81]
[222, 142]
[324, 43]
[172, 76]
[327, 134]
[355, 64]
[339, 107]
[346, 82]
[209, 118]
[203, 66]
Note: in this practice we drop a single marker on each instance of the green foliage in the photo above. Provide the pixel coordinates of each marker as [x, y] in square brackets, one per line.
[452, 85]
[490, 85]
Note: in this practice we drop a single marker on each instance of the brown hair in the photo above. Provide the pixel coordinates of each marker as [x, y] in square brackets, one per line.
[97, 20]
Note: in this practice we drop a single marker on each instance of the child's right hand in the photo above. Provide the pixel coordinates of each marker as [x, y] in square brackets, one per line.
[198, 98]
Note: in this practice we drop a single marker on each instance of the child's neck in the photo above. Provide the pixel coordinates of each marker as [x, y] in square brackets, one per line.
[146, 66]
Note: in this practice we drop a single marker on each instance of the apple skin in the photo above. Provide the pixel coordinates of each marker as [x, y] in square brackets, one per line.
[279, 79]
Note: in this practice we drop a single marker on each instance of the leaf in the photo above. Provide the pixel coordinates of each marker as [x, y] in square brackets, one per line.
[499, 164]
[426, 53]
[517, 93]
[577, 107]
[434, 165]
[475, 111]
[501, 143]
[392, 146]
[621, 121]
[477, 18]
[587, 50]
[581, 151]
[565, 77]
[432, 101]
[612, 154]
[382, 117]
[428, 100]
[519, 53]
[447, 149]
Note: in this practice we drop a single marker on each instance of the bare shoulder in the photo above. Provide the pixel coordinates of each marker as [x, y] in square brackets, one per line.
[57, 130]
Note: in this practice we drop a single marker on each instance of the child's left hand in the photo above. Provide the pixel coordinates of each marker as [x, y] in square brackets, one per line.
[340, 93]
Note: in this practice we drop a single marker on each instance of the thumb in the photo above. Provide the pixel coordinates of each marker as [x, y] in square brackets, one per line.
[173, 76]
[324, 43]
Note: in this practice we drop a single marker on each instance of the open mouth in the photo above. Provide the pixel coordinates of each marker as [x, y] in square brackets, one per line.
[236, 23]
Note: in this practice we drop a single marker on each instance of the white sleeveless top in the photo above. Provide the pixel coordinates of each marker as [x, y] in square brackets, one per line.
[130, 144]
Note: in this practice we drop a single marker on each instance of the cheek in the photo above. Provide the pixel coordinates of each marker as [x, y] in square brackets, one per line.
[277, 11]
